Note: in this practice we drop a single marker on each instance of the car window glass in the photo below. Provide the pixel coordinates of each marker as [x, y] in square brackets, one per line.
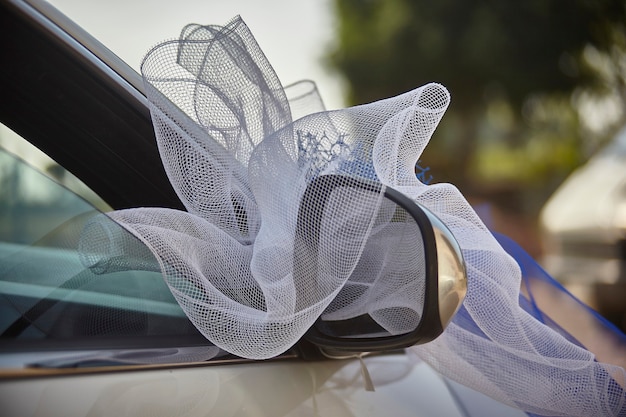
[18, 146]
[57, 285]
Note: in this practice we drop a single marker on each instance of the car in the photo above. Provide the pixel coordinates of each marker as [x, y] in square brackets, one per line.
[77, 343]
[86, 334]
[584, 231]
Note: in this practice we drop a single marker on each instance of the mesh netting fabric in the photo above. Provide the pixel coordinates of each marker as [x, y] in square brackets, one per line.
[240, 151]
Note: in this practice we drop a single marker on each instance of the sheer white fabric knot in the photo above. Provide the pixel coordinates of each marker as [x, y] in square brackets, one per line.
[240, 162]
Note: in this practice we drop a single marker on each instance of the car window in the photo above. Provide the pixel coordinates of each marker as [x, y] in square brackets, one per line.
[39, 161]
[61, 285]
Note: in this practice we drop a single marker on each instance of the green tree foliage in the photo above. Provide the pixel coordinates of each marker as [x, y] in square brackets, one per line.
[513, 68]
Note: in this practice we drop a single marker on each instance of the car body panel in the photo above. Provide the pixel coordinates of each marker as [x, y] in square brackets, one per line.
[403, 387]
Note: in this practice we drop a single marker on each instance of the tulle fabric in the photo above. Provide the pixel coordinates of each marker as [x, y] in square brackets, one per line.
[240, 151]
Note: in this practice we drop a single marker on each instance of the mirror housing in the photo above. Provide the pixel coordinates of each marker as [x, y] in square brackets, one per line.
[445, 277]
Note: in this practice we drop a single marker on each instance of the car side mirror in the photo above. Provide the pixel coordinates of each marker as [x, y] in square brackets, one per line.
[418, 278]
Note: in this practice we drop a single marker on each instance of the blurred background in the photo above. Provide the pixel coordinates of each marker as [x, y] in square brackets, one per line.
[538, 90]
[532, 136]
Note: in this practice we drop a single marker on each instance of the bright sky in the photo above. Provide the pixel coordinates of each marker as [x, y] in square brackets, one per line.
[293, 34]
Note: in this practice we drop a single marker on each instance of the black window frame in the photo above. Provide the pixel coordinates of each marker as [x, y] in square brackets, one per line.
[91, 114]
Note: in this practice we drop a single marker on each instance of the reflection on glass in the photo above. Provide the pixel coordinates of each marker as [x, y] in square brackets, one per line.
[51, 287]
